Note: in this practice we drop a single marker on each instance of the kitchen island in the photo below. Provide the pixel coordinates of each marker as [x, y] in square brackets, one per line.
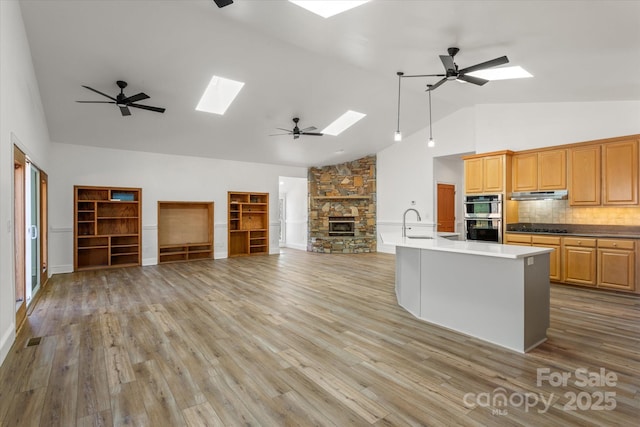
[497, 293]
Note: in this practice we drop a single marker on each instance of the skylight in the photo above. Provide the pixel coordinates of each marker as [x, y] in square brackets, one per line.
[343, 123]
[502, 73]
[328, 8]
[219, 95]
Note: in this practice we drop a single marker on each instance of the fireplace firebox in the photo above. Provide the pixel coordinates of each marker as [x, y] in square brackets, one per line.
[342, 226]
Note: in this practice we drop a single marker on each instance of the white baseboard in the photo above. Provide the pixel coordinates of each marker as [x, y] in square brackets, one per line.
[7, 340]
[60, 269]
[298, 246]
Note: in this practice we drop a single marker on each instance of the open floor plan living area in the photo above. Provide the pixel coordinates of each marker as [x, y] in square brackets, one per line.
[319, 213]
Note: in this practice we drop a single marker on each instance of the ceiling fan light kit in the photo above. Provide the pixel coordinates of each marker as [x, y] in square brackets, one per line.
[452, 72]
[122, 101]
[296, 131]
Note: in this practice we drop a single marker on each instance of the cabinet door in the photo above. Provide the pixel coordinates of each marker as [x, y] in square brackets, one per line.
[554, 261]
[580, 265]
[616, 269]
[584, 176]
[473, 175]
[493, 174]
[525, 172]
[620, 173]
[552, 170]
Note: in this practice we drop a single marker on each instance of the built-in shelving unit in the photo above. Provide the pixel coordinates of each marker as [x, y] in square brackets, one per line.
[107, 225]
[248, 223]
[185, 231]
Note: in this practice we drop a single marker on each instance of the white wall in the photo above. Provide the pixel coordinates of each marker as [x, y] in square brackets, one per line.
[406, 169]
[22, 122]
[295, 193]
[161, 177]
[526, 126]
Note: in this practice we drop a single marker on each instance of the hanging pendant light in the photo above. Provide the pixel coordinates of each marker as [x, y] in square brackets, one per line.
[431, 143]
[397, 137]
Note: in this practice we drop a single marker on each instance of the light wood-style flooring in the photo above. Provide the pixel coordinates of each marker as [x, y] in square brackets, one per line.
[299, 339]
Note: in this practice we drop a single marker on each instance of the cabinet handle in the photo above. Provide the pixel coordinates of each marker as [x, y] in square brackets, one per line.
[579, 242]
[615, 244]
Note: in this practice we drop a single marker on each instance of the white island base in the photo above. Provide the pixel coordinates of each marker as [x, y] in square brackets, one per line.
[497, 293]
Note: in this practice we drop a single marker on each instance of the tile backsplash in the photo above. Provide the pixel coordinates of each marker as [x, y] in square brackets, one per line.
[559, 212]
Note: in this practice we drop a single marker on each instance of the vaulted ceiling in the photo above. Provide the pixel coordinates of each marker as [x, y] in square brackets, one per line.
[297, 64]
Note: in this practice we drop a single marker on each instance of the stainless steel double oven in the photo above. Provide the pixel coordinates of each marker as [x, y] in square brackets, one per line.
[483, 217]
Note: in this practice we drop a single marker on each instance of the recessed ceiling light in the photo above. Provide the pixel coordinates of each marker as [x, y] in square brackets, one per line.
[219, 95]
[342, 123]
[503, 73]
[328, 8]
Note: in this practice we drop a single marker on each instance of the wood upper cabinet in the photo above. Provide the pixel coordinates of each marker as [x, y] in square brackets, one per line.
[487, 173]
[552, 170]
[543, 170]
[579, 261]
[584, 176]
[525, 172]
[620, 173]
[493, 174]
[473, 181]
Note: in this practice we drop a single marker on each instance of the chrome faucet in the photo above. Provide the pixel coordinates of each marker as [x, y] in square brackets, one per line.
[404, 220]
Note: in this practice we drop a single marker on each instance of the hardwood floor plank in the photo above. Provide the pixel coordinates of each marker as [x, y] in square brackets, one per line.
[93, 385]
[119, 370]
[159, 402]
[201, 415]
[127, 406]
[296, 339]
[27, 408]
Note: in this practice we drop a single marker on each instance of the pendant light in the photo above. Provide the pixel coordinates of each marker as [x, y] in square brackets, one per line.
[431, 142]
[397, 137]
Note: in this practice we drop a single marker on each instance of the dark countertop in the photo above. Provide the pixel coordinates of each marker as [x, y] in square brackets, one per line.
[577, 230]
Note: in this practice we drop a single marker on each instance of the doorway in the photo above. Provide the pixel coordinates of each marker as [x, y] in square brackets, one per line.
[446, 202]
[30, 219]
[19, 231]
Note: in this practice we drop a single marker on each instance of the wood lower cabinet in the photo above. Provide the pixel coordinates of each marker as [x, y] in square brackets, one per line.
[616, 264]
[185, 231]
[554, 243]
[248, 223]
[579, 261]
[554, 257]
[107, 225]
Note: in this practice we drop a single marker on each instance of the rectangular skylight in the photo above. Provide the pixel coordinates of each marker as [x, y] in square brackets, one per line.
[328, 8]
[219, 95]
[343, 123]
[502, 73]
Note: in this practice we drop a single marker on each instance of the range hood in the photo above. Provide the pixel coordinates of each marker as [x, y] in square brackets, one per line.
[540, 195]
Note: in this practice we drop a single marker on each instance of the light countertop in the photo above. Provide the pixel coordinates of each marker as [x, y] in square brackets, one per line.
[464, 247]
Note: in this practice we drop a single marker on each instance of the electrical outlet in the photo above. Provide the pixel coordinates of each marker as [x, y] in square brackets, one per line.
[530, 260]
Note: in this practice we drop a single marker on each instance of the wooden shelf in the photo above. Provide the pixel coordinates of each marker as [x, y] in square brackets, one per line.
[248, 223]
[106, 232]
[340, 197]
[185, 231]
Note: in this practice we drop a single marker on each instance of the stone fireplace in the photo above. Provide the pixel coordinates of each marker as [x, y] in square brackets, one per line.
[342, 207]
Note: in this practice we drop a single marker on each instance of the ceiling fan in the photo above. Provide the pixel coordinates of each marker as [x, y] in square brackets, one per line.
[124, 102]
[296, 132]
[453, 73]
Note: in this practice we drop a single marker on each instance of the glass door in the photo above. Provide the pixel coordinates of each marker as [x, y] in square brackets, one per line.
[32, 215]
